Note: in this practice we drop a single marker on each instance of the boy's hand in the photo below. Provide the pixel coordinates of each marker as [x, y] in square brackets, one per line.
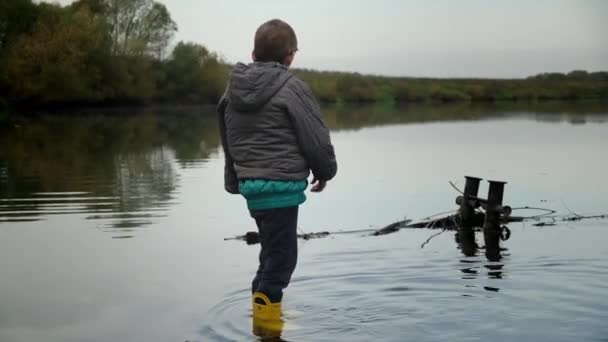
[318, 185]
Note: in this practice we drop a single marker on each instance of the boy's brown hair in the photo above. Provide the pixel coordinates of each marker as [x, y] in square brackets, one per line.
[274, 41]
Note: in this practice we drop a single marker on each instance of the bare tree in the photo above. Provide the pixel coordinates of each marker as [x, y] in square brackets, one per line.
[139, 27]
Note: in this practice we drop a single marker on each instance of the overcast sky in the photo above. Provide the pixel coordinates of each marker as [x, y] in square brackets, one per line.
[461, 38]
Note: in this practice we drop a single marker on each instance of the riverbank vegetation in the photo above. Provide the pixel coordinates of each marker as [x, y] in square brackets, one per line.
[349, 87]
[120, 52]
[101, 52]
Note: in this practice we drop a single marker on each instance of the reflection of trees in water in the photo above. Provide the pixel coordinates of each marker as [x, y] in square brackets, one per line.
[349, 117]
[121, 167]
[144, 177]
[143, 182]
[3, 173]
[194, 139]
[116, 163]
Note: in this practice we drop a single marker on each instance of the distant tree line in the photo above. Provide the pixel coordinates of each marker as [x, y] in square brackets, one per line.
[352, 87]
[101, 52]
[114, 52]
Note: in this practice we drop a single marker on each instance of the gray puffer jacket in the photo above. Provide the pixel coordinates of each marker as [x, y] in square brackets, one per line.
[271, 127]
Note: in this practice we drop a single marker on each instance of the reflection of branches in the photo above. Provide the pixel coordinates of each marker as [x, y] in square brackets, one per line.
[432, 237]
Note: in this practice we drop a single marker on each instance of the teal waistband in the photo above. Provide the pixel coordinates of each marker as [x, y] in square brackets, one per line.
[270, 194]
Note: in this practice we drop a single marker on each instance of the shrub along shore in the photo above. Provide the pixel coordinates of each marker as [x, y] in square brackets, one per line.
[116, 53]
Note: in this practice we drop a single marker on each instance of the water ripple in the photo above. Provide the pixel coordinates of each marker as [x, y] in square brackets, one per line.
[228, 321]
[402, 294]
[134, 208]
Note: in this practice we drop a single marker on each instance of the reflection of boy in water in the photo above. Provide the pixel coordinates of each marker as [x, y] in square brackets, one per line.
[273, 136]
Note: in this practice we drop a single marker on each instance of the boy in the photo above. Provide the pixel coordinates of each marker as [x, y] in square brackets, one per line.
[273, 136]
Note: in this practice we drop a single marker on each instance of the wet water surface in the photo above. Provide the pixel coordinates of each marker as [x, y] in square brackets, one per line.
[112, 228]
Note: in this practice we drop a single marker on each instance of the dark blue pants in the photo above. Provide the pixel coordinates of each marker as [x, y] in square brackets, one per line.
[279, 253]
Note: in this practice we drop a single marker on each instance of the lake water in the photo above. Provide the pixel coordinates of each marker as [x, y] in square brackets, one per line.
[112, 228]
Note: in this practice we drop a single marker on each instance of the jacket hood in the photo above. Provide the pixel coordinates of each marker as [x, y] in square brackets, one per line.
[251, 86]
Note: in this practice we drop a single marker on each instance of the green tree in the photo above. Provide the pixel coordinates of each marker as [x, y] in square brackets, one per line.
[355, 88]
[578, 74]
[194, 74]
[53, 63]
[16, 17]
[404, 91]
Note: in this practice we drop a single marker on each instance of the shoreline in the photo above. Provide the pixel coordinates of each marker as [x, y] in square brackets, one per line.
[175, 108]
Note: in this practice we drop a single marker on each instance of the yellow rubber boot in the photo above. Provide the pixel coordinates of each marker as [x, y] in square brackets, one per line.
[267, 320]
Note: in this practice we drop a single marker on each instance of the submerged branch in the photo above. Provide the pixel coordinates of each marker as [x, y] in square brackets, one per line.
[449, 222]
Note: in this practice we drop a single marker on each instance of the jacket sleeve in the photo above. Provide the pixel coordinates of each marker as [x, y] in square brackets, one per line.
[231, 183]
[313, 135]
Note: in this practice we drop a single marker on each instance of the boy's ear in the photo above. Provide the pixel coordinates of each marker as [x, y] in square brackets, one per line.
[289, 59]
[253, 56]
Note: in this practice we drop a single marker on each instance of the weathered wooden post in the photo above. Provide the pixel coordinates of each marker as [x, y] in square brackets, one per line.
[491, 226]
[467, 203]
[466, 214]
